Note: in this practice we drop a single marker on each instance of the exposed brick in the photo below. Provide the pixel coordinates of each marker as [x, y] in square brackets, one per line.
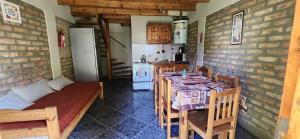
[65, 53]
[7, 41]
[18, 65]
[260, 60]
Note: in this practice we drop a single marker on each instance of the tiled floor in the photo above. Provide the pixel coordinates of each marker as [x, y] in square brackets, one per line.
[126, 114]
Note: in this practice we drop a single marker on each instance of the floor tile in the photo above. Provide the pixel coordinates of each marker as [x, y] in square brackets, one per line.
[130, 127]
[112, 118]
[110, 135]
[87, 129]
[130, 108]
[145, 114]
[127, 114]
[152, 132]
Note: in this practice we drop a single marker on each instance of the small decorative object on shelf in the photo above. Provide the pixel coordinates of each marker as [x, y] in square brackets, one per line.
[159, 33]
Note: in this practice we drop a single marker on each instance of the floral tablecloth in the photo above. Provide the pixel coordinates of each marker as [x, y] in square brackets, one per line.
[194, 90]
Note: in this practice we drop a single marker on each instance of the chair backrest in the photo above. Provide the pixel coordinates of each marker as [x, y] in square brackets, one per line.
[206, 71]
[165, 87]
[232, 81]
[223, 108]
[167, 93]
[156, 75]
[168, 69]
[164, 69]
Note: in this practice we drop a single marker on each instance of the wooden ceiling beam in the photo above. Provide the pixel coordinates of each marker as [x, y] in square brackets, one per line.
[85, 10]
[179, 6]
[121, 17]
[72, 2]
[118, 21]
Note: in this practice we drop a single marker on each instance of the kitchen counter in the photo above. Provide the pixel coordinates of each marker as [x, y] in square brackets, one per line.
[169, 63]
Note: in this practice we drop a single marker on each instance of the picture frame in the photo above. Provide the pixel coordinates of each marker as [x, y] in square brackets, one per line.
[11, 12]
[237, 28]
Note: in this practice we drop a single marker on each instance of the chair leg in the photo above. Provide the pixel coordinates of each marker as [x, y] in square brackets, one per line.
[161, 117]
[232, 134]
[168, 127]
[155, 101]
[192, 134]
[222, 135]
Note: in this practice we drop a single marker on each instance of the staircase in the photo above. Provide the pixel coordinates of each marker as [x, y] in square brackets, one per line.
[119, 68]
[115, 68]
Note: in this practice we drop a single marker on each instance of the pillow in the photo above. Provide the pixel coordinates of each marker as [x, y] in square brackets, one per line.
[59, 83]
[13, 102]
[34, 91]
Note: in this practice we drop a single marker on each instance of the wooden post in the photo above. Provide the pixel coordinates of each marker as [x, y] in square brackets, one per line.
[108, 51]
[105, 35]
[101, 93]
[294, 123]
[293, 64]
[52, 123]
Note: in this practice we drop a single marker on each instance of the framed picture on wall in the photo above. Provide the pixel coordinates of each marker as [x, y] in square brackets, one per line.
[237, 28]
[11, 12]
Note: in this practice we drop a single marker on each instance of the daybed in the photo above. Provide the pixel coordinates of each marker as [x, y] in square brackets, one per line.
[54, 115]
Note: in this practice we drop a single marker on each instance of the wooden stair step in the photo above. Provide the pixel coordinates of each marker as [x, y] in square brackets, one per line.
[117, 63]
[122, 72]
[113, 59]
[122, 67]
[122, 77]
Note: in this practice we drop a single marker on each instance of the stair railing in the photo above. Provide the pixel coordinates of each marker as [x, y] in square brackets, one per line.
[117, 41]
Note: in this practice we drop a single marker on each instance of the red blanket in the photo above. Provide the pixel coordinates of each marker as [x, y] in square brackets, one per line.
[69, 101]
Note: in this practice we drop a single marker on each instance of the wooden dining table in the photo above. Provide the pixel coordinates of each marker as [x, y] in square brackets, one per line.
[190, 93]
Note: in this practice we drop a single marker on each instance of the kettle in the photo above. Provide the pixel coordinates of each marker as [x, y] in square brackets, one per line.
[143, 59]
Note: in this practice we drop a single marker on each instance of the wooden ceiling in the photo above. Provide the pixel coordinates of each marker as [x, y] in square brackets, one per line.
[119, 11]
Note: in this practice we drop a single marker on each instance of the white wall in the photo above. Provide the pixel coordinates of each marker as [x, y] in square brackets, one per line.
[203, 10]
[139, 44]
[122, 34]
[52, 9]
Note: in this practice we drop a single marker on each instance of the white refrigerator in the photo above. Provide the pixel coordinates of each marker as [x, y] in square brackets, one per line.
[84, 54]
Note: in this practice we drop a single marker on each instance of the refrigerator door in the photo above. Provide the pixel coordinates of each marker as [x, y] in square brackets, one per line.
[84, 54]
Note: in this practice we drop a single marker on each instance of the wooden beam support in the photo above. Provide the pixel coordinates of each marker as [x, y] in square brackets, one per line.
[182, 5]
[119, 11]
[112, 2]
[118, 21]
[119, 17]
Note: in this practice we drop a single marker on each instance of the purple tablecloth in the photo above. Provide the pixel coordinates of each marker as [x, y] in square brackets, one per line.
[194, 90]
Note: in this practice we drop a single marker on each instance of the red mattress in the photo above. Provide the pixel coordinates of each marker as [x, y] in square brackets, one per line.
[69, 101]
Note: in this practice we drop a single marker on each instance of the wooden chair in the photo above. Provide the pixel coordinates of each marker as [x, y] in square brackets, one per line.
[166, 111]
[207, 72]
[232, 81]
[220, 118]
[156, 84]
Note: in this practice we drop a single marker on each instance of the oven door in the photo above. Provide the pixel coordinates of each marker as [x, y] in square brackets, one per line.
[141, 75]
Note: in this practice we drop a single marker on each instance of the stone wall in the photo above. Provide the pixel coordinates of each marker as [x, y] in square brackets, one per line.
[24, 51]
[65, 53]
[260, 60]
[192, 41]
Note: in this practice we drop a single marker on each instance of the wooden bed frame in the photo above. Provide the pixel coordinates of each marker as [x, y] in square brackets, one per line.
[48, 114]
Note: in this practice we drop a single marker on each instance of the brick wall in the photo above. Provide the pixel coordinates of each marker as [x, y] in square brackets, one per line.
[65, 53]
[24, 51]
[260, 61]
[192, 41]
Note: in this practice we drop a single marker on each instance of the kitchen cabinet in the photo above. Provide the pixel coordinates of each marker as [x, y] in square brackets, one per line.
[159, 33]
